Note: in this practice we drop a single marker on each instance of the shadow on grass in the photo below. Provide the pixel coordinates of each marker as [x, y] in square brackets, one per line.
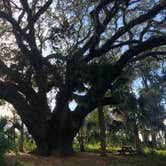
[158, 158]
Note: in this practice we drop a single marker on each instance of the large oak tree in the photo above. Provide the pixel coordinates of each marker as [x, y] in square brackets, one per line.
[54, 52]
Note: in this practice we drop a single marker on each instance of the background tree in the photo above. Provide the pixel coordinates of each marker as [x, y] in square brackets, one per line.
[152, 99]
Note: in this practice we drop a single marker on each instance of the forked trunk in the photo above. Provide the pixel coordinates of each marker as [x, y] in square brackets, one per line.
[54, 142]
[53, 137]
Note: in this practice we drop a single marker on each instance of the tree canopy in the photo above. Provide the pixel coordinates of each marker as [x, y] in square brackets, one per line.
[53, 52]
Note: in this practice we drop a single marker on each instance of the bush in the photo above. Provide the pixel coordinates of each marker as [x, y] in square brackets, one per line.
[4, 144]
[7, 144]
[4, 141]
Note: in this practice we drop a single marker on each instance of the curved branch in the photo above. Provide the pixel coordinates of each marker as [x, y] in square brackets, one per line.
[10, 93]
[22, 85]
[98, 26]
[14, 23]
[107, 46]
[42, 10]
[134, 51]
[89, 104]
[156, 54]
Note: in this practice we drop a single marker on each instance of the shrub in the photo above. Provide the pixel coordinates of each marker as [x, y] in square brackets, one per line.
[4, 141]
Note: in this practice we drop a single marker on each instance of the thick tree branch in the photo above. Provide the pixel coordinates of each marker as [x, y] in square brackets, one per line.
[83, 109]
[23, 86]
[19, 33]
[106, 47]
[42, 10]
[32, 53]
[87, 105]
[157, 55]
[26, 7]
[14, 23]
[99, 27]
[10, 93]
[144, 46]
[56, 56]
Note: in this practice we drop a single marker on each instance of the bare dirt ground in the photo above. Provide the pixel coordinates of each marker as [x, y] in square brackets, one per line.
[87, 159]
[92, 159]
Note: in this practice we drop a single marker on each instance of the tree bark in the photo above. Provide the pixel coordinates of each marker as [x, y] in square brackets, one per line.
[13, 129]
[21, 146]
[137, 141]
[81, 140]
[154, 140]
[102, 130]
[145, 135]
[54, 141]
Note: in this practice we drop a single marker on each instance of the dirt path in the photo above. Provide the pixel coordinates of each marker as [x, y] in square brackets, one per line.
[92, 159]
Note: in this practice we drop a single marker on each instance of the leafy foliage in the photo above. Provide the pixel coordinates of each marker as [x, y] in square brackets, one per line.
[5, 144]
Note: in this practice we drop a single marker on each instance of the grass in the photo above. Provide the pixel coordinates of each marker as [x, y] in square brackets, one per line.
[96, 148]
[90, 159]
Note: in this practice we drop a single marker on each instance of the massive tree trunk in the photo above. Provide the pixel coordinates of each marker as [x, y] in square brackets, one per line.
[54, 137]
[51, 137]
[54, 142]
